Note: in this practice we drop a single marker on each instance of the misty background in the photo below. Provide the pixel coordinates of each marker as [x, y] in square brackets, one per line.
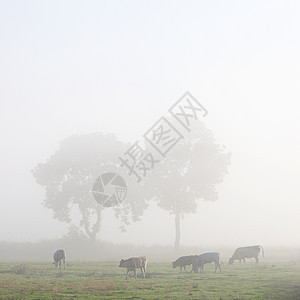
[77, 67]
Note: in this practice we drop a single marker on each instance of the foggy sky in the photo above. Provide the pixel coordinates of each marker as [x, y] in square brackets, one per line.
[72, 67]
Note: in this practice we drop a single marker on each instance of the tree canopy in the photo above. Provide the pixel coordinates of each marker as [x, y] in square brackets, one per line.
[190, 172]
[68, 177]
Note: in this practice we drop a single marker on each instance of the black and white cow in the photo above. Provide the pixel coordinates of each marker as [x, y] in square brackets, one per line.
[246, 252]
[59, 256]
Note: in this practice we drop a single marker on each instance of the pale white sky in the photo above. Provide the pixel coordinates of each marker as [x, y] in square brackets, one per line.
[71, 67]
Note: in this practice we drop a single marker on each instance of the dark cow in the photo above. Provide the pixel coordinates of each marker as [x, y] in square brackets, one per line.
[134, 262]
[184, 261]
[246, 252]
[207, 258]
[59, 256]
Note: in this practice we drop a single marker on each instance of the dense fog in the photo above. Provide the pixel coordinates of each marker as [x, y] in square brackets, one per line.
[72, 71]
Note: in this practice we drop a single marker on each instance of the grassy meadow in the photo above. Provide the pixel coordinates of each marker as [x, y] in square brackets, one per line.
[105, 280]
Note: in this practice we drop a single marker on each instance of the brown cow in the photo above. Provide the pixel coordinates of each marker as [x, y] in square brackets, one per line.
[134, 262]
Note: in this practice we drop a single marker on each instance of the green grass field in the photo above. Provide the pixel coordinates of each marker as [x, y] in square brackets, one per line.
[105, 280]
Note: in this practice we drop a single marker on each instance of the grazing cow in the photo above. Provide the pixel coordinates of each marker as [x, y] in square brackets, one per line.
[246, 252]
[184, 261]
[207, 258]
[134, 262]
[58, 256]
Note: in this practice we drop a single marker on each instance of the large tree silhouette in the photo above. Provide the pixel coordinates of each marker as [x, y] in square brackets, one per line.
[190, 172]
[69, 174]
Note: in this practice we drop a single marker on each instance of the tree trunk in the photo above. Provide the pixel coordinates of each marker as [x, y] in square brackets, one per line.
[97, 225]
[177, 230]
[92, 233]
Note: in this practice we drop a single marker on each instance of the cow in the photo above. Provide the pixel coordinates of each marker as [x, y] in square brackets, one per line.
[58, 256]
[206, 258]
[184, 261]
[133, 263]
[246, 252]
